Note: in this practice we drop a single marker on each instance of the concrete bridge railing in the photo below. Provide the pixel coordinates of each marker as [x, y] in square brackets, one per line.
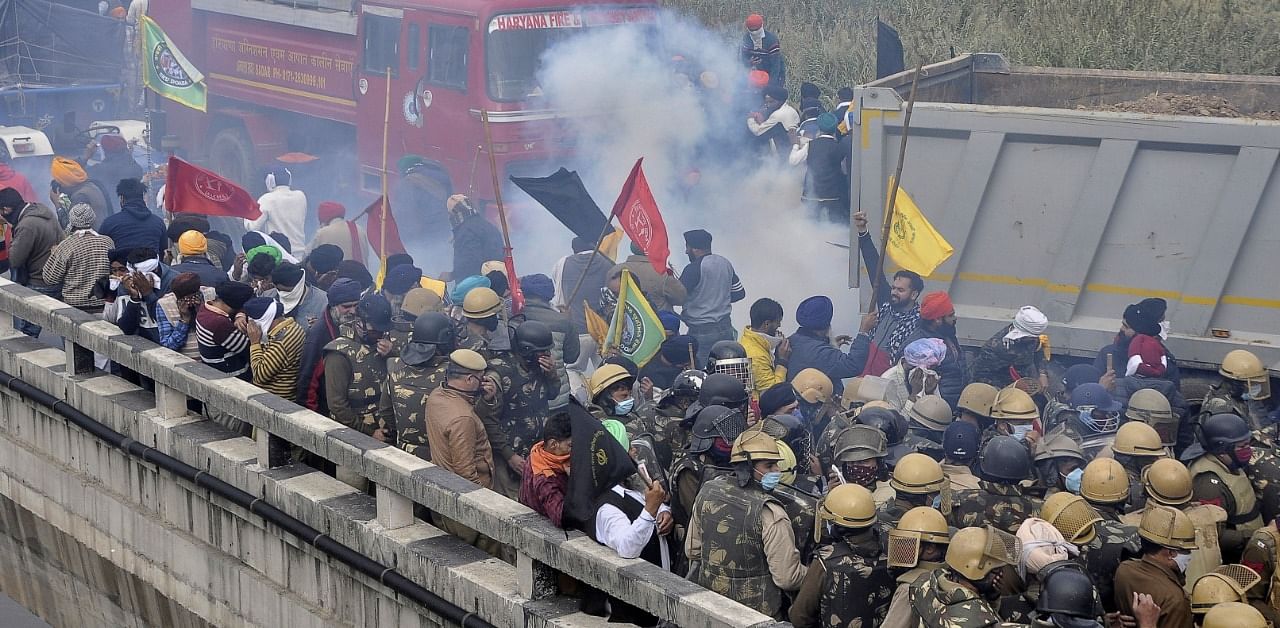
[402, 479]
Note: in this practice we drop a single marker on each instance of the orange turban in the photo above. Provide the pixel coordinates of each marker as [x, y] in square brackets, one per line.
[67, 172]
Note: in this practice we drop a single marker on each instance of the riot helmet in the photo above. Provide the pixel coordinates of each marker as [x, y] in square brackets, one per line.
[1004, 460]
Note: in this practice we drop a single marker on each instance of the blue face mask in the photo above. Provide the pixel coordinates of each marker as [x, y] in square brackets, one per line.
[1072, 480]
[770, 480]
[1020, 431]
[625, 406]
[1252, 393]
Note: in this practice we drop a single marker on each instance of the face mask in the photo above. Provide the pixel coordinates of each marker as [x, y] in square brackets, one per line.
[770, 480]
[937, 501]
[1254, 391]
[1243, 455]
[490, 323]
[625, 406]
[1072, 480]
[114, 282]
[1164, 330]
[1020, 431]
[1182, 560]
[862, 476]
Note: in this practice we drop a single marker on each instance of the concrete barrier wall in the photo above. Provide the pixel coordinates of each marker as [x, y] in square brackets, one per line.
[260, 565]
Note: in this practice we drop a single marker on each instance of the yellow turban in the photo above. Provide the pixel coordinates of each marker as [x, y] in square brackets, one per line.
[192, 243]
[67, 172]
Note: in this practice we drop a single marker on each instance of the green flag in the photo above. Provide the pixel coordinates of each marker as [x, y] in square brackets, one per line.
[636, 330]
[166, 72]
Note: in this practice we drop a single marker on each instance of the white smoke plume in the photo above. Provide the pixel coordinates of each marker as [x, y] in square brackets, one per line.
[629, 102]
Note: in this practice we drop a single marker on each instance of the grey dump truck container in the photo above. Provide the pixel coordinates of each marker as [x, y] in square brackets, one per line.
[1082, 212]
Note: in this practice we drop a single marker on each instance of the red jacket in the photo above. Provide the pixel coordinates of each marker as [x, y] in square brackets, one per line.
[544, 494]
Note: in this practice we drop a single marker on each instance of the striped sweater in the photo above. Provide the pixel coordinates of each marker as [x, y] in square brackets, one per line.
[222, 346]
[275, 361]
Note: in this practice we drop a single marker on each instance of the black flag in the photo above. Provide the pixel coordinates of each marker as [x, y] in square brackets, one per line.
[597, 464]
[888, 51]
[567, 199]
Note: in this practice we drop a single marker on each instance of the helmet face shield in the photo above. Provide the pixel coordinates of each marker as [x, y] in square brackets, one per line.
[738, 368]
[1098, 420]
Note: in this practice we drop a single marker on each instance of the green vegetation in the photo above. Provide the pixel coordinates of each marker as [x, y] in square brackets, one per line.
[831, 42]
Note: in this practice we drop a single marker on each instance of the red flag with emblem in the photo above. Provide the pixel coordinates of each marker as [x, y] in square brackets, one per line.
[190, 189]
[638, 214]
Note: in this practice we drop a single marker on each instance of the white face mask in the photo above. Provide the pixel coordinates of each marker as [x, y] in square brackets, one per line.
[1164, 330]
[1020, 430]
[1183, 561]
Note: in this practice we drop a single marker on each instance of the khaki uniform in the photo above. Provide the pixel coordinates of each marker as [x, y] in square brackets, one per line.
[1164, 585]
[1207, 555]
[354, 373]
[742, 546]
[1264, 474]
[404, 393]
[1001, 505]
[1215, 484]
[941, 602]
[461, 444]
[960, 477]
[846, 586]
[901, 614]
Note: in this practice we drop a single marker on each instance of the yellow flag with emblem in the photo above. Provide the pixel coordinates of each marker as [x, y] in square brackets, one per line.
[913, 243]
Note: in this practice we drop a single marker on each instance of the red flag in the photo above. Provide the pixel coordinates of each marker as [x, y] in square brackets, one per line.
[190, 189]
[374, 230]
[513, 284]
[638, 213]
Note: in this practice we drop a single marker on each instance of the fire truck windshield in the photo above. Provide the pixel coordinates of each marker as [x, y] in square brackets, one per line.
[516, 42]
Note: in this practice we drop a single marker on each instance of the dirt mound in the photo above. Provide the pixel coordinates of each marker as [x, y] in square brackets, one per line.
[1186, 105]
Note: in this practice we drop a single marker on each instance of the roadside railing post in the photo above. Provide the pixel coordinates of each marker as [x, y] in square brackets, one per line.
[170, 403]
[79, 359]
[536, 579]
[394, 510]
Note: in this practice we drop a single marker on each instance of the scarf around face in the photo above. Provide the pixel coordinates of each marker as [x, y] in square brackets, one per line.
[904, 324]
[546, 463]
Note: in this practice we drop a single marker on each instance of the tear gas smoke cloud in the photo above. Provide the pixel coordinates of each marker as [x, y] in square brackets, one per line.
[633, 103]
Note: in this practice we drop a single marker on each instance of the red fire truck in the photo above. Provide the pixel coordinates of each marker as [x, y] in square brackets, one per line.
[318, 71]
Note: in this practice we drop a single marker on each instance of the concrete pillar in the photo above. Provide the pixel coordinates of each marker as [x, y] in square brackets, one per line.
[170, 403]
[536, 580]
[273, 451]
[394, 510]
[79, 359]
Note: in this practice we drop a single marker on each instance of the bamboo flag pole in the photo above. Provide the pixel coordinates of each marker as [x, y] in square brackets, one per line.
[878, 277]
[497, 188]
[382, 228]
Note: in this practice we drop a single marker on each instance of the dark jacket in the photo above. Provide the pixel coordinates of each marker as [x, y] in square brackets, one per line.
[953, 373]
[809, 350]
[210, 275]
[567, 347]
[136, 227]
[94, 195]
[475, 242]
[113, 168]
[597, 275]
[311, 392]
[768, 57]
[35, 232]
[825, 179]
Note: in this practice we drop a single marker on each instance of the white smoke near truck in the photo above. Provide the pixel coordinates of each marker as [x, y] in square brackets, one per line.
[643, 92]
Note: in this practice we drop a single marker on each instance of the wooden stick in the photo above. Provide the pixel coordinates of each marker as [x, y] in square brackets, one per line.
[893, 193]
[497, 187]
[382, 229]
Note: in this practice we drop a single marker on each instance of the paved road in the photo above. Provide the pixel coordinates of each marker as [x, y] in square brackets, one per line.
[14, 616]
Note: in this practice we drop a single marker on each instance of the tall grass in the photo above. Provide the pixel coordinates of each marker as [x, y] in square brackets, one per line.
[831, 42]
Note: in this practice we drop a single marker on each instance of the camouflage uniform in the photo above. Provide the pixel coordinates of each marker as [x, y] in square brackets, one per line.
[734, 563]
[515, 425]
[364, 389]
[901, 614]
[825, 439]
[923, 440]
[943, 603]
[800, 506]
[1220, 401]
[1114, 543]
[404, 393]
[995, 359]
[847, 586]
[1001, 505]
[688, 475]
[1262, 555]
[662, 429]
[401, 331]
[1264, 474]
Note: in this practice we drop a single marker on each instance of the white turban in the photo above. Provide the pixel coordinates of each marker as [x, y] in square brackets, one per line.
[1028, 322]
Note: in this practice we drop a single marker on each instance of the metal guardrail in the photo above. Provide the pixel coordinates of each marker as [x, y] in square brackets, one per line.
[403, 479]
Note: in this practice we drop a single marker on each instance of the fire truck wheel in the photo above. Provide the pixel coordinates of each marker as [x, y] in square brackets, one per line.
[231, 155]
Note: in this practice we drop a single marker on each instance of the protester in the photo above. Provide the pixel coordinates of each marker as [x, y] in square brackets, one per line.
[222, 345]
[193, 257]
[475, 240]
[79, 261]
[546, 470]
[673, 359]
[938, 320]
[813, 348]
[284, 209]
[117, 161]
[761, 51]
[774, 124]
[343, 296]
[767, 349]
[826, 180]
[35, 232]
[70, 185]
[176, 313]
[10, 178]
[662, 290]
[336, 231]
[713, 287]
[298, 300]
[420, 204]
[1014, 353]
[275, 346]
[135, 226]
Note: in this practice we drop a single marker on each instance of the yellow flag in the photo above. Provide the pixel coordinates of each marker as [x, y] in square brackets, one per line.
[597, 327]
[913, 243]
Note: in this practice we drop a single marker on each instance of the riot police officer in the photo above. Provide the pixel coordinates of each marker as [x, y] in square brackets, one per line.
[1167, 482]
[917, 546]
[1217, 474]
[419, 369]
[962, 593]
[999, 500]
[917, 480]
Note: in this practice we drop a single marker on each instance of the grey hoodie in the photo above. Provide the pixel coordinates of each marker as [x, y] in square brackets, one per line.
[35, 232]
